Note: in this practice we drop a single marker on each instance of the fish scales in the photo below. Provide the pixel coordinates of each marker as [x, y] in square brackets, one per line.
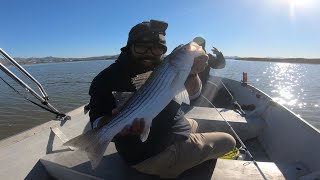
[154, 89]
[137, 102]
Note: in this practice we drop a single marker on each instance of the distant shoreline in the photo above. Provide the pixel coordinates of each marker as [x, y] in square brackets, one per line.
[61, 60]
[284, 60]
[56, 60]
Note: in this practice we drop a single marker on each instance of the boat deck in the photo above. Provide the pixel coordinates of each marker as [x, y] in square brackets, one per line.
[45, 142]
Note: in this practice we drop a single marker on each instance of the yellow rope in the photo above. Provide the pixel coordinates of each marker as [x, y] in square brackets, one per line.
[234, 154]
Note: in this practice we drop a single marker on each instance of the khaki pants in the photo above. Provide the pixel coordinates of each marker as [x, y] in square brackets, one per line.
[184, 155]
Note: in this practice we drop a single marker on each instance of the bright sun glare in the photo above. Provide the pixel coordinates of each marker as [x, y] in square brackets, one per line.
[298, 4]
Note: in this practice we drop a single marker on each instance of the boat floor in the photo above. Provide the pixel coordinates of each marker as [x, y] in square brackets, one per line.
[75, 164]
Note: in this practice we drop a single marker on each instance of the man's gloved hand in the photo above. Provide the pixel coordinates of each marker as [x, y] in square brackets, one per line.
[200, 63]
[215, 51]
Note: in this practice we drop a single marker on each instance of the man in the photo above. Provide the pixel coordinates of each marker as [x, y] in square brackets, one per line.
[171, 147]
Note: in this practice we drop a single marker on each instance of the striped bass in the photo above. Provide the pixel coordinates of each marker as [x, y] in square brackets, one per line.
[164, 84]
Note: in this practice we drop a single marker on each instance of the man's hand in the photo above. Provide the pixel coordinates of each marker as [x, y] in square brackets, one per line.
[114, 112]
[200, 63]
[136, 128]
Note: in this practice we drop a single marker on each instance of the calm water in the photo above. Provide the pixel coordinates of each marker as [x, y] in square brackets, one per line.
[67, 84]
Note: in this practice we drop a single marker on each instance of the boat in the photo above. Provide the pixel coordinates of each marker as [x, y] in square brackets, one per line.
[282, 145]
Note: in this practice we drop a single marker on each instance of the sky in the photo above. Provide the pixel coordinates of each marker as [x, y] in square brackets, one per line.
[78, 28]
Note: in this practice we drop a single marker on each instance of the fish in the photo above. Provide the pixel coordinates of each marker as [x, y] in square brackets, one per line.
[164, 84]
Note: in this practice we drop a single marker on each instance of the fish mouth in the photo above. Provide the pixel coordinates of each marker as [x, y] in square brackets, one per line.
[200, 63]
[202, 58]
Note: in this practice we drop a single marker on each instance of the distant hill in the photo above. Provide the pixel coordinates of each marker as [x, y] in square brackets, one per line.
[50, 59]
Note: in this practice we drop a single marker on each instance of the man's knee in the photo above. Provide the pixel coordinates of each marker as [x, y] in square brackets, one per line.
[220, 142]
[229, 142]
[193, 124]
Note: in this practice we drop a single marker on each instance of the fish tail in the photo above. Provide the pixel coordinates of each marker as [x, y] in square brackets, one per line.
[92, 145]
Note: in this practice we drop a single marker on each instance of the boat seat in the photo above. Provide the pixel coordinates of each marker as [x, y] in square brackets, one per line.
[237, 169]
[75, 165]
[209, 120]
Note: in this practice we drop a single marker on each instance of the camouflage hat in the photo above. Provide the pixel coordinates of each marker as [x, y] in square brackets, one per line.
[149, 31]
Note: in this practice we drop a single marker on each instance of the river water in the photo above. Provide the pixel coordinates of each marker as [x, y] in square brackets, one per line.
[67, 84]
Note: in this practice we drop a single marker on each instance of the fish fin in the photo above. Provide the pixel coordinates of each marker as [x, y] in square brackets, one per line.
[182, 97]
[140, 79]
[144, 135]
[92, 144]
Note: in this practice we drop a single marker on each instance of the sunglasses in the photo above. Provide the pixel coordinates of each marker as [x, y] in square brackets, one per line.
[156, 50]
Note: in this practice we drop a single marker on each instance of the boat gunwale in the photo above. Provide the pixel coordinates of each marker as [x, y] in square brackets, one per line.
[274, 101]
[16, 138]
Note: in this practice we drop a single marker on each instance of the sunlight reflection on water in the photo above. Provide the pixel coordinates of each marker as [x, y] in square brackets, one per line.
[284, 78]
[293, 85]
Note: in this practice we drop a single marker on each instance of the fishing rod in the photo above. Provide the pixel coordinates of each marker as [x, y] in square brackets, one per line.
[43, 98]
[243, 146]
[235, 103]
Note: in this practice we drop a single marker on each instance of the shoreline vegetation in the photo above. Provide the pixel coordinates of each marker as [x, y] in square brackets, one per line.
[50, 59]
